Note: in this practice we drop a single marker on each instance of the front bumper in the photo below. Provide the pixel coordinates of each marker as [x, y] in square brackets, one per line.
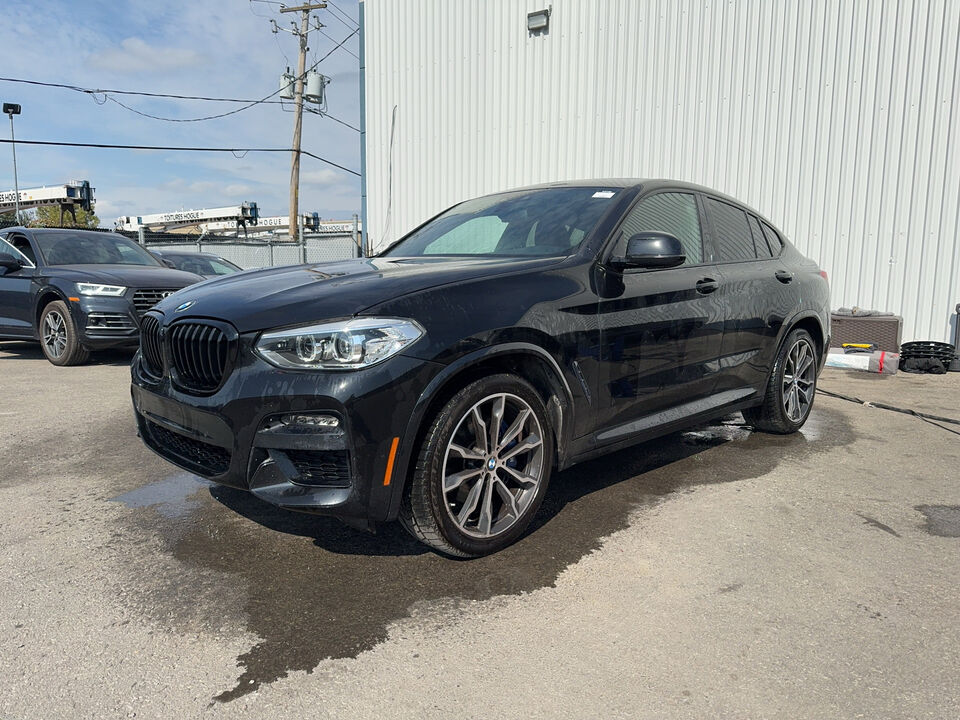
[105, 322]
[234, 437]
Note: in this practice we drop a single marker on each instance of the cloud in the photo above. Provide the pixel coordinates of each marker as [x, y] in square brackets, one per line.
[323, 177]
[135, 55]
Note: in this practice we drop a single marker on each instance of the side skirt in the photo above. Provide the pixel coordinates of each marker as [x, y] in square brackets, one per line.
[659, 424]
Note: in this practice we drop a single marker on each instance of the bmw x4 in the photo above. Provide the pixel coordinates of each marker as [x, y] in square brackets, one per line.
[443, 381]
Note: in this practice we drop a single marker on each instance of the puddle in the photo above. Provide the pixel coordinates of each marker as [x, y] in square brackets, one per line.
[942, 520]
[311, 588]
[172, 497]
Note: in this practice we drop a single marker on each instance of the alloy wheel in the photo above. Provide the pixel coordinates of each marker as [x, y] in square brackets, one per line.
[54, 334]
[799, 380]
[493, 465]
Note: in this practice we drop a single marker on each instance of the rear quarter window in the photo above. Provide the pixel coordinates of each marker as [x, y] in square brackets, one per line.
[759, 241]
[773, 238]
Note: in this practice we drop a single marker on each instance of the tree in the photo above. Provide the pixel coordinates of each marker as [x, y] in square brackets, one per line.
[8, 219]
[49, 216]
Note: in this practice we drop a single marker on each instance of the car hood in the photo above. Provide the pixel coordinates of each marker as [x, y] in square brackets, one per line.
[135, 276]
[303, 294]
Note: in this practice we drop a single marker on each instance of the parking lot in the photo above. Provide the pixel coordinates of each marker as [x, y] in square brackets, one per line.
[714, 573]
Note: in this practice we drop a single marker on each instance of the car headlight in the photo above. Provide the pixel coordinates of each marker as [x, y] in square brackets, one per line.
[345, 345]
[101, 290]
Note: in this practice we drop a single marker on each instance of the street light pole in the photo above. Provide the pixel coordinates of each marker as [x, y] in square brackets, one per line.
[12, 109]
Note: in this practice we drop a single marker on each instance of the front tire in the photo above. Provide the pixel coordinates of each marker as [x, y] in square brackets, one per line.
[483, 469]
[791, 389]
[58, 336]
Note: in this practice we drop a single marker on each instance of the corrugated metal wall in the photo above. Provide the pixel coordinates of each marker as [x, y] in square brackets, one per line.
[839, 119]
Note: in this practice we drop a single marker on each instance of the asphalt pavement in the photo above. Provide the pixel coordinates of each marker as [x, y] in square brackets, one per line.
[717, 573]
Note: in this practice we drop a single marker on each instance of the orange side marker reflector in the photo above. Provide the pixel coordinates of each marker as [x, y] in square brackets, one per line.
[390, 459]
[74, 299]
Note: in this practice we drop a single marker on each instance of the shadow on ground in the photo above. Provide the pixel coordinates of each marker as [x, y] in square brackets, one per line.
[314, 589]
[20, 350]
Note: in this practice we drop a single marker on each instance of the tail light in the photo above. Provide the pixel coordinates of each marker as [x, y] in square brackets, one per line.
[823, 274]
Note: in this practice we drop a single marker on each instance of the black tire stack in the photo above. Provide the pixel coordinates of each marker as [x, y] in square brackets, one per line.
[927, 356]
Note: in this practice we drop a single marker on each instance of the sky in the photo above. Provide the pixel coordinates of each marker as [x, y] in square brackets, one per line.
[220, 48]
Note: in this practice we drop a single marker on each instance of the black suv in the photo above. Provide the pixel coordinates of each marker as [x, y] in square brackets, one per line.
[442, 381]
[78, 290]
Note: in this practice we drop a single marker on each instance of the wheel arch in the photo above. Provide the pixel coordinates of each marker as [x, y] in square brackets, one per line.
[526, 360]
[45, 296]
[809, 321]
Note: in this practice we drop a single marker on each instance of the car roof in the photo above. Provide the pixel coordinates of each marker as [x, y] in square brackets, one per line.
[45, 230]
[647, 184]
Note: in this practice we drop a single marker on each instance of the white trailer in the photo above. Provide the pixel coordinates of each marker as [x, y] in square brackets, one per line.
[280, 224]
[69, 196]
[237, 215]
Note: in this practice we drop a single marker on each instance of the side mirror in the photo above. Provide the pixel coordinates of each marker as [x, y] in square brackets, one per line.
[168, 263]
[8, 262]
[652, 250]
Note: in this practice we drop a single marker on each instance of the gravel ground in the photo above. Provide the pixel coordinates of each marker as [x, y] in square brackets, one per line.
[714, 573]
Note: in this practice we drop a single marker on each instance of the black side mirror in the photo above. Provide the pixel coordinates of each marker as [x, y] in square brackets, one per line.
[652, 249]
[8, 262]
[168, 263]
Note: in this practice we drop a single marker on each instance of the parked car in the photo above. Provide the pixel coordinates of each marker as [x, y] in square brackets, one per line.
[199, 263]
[78, 290]
[443, 381]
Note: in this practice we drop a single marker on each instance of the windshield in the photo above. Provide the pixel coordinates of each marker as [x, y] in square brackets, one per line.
[202, 265]
[545, 222]
[74, 248]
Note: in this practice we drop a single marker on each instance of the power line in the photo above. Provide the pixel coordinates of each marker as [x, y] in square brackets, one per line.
[98, 91]
[345, 49]
[94, 92]
[239, 109]
[337, 8]
[327, 115]
[338, 16]
[111, 146]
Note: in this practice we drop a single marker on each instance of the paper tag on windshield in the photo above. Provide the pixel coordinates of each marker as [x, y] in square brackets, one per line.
[604, 194]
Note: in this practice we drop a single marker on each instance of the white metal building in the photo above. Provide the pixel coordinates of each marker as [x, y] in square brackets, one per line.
[838, 119]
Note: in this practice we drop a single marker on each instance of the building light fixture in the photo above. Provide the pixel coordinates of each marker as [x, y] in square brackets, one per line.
[538, 21]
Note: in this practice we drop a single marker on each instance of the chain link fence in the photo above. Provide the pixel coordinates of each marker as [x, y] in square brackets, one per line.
[258, 253]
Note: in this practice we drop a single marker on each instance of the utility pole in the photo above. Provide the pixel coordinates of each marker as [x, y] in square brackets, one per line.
[304, 11]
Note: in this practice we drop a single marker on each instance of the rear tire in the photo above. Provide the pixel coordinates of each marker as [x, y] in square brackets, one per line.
[58, 336]
[791, 388]
[482, 470]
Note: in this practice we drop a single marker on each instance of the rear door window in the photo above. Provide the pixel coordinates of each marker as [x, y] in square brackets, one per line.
[731, 231]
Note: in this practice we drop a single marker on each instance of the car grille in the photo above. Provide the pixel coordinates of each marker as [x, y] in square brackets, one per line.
[321, 468]
[143, 300]
[150, 347]
[199, 353]
[198, 456]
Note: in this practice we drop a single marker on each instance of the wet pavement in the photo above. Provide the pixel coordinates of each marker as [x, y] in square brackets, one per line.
[168, 565]
[300, 571]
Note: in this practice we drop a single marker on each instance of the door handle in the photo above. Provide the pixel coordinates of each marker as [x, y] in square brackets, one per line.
[707, 286]
[783, 276]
